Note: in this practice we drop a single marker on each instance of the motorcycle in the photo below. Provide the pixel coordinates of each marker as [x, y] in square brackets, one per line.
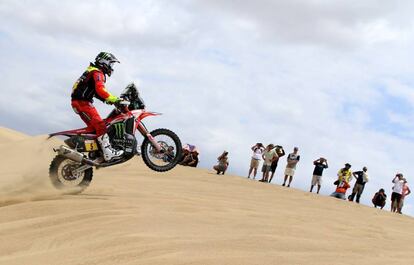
[72, 168]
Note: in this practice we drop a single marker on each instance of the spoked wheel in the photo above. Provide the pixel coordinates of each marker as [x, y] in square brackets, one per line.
[62, 176]
[170, 154]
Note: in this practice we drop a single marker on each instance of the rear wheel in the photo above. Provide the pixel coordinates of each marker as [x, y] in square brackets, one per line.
[62, 176]
[171, 150]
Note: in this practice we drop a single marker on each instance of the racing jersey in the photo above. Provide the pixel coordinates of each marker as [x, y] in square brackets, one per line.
[92, 84]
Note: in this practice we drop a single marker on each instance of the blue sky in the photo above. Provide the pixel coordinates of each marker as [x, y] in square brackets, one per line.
[332, 77]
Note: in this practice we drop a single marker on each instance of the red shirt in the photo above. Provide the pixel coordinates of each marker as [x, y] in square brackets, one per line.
[342, 187]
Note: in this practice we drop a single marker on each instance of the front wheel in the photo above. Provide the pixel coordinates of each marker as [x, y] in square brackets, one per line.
[170, 154]
[62, 177]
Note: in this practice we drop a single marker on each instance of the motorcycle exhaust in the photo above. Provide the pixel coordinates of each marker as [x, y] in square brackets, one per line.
[75, 156]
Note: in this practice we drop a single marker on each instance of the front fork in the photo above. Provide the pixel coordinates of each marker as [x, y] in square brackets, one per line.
[145, 133]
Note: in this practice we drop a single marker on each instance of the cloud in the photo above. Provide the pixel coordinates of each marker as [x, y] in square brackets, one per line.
[333, 24]
[123, 23]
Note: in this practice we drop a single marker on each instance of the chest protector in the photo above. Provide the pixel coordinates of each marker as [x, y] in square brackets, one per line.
[84, 87]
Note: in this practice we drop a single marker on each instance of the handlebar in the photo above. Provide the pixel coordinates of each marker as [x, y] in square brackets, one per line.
[123, 102]
[122, 105]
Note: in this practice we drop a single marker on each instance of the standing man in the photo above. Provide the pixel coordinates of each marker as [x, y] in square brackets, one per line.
[269, 156]
[320, 165]
[406, 192]
[345, 173]
[361, 179]
[280, 152]
[256, 157]
[397, 191]
[292, 161]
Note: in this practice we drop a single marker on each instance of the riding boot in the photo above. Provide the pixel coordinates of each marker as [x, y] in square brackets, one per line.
[107, 150]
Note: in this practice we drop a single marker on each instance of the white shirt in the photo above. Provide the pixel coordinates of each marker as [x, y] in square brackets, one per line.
[268, 155]
[398, 186]
[365, 177]
[292, 159]
[257, 153]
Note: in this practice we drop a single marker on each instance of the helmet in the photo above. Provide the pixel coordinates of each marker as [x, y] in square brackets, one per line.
[105, 61]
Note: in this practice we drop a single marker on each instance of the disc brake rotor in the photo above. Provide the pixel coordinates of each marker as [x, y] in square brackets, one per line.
[159, 155]
[66, 173]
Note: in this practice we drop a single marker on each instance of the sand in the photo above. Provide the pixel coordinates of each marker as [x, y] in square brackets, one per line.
[132, 215]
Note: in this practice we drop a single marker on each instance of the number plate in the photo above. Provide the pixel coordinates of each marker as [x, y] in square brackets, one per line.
[91, 145]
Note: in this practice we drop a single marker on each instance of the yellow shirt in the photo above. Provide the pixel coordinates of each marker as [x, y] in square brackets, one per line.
[345, 174]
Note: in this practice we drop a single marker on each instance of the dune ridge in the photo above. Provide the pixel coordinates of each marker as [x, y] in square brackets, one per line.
[132, 215]
[9, 135]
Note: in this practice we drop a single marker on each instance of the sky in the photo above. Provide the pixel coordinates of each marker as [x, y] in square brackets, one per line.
[333, 77]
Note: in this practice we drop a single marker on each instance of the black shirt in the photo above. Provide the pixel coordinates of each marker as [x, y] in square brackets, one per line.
[319, 167]
[360, 178]
[86, 85]
[379, 199]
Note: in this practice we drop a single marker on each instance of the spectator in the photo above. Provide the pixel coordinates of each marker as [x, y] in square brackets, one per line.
[320, 165]
[223, 163]
[341, 188]
[361, 180]
[187, 157]
[184, 155]
[268, 156]
[397, 190]
[280, 152]
[191, 159]
[258, 150]
[345, 173]
[194, 161]
[379, 199]
[292, 161]
[169, 154]
[406, 192]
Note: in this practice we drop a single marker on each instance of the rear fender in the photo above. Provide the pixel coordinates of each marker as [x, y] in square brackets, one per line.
[86, 132]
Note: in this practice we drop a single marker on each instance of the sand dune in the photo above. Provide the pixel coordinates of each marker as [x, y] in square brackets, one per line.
[7, 135]
[24, 163]
[131, 215]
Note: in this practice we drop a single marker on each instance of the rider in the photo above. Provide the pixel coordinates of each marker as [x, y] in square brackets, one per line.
[92, 84]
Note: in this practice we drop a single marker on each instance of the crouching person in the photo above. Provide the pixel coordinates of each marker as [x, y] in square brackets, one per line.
[341, 188]
[379, 199]
[223, 163]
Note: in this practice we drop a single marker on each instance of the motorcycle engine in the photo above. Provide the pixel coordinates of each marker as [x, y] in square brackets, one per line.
[121, 136]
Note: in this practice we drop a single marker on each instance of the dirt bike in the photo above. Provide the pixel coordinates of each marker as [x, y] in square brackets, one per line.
[72, 168]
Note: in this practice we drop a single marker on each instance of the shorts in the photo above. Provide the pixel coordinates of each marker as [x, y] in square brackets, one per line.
[396, 197]
[273, 167]
[266, 168]
[254, 163]
[316, 180]
[289, 171]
